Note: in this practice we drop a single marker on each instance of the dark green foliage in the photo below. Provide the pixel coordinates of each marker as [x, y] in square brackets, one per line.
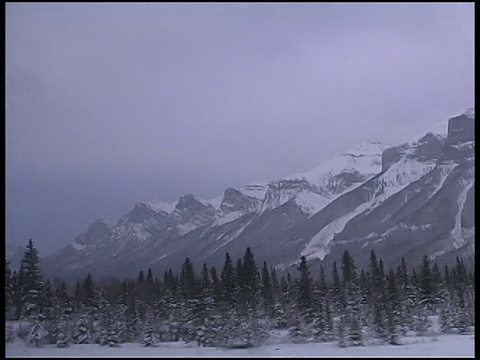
[228, 281]
[31, 284]
[9, 292]
[378, 297]
[248, 280]
[188, 283]
[304, 286]
[267, 290]
[351, 318]
[393, 309]
[238, 306]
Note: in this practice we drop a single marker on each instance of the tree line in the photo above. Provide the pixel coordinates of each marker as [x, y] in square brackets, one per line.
[240, 304]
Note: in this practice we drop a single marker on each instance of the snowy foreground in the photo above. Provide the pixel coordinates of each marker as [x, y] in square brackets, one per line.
[441, 346]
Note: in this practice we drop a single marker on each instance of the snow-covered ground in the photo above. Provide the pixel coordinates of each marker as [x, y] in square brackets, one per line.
[440, 346]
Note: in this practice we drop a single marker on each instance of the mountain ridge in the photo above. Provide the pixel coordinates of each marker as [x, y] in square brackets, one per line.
[314, 213]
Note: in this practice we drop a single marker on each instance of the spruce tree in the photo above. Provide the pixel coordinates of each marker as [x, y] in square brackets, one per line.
[267, 290]
[9, 292]
[393, 309]
[304, 287]
[352, 316]
[427, 284]
[378, 297]
[206, 282]
[216, 286]
[337, 293]
[229, 282]
[303, 329]
[248, 280]
[32, 284]
[322, 286]
[188, 283]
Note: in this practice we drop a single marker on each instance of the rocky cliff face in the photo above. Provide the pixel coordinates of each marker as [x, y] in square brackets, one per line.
[408, 200]
[421, 203]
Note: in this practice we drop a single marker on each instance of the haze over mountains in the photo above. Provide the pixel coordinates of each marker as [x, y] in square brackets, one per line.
[409, 200]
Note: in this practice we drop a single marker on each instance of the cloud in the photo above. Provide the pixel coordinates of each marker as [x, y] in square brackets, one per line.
[158, 100]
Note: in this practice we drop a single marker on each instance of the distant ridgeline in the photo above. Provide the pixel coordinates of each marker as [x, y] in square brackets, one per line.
[409, 200]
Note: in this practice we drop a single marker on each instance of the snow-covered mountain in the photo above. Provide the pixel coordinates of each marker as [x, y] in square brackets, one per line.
[405, 200]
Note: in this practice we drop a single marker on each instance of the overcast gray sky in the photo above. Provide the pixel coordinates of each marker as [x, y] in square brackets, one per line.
[110, 104]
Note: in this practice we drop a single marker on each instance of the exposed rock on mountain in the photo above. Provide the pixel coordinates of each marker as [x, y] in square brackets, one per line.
[408, 200]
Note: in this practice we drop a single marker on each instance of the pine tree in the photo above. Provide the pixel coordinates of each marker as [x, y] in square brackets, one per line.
[77, 295]
[88, 291]
[239, 272]
[9, 292]
[303, 329]
[275, 282]
[229, 281]
[216, 286]
[448, 309]
[82, 333]
[329, 328]
[206, 283]
[393, 309]
[405, 290]
[267, 290]
[304, 285]
[337, 293]
[188, 283]
[285, 308]
[149, 338]
[464, 312]
[141, 286]
[351, 318]
[37, 333]
[248, 280]
[378, 297]
[427, 284]
[63, 309]
[322, 286]
[32, 284]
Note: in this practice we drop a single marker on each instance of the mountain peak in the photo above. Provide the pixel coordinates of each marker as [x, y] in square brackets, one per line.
[162, 206]
[190, 201]
[100, 223]
[367, 147]
[366, 159]
[461, 129]
[470, 112]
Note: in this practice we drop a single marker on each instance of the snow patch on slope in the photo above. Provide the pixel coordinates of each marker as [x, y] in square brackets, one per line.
[159, 259]
[311, 202]
[319, 245]
[78, 246]
[229, 237]
[400, 175]
[216, 202]
[395, 179]
[139, 233]
[186, 228]
[223, 218]
[366, 159]
[162, 206]
[458, 239]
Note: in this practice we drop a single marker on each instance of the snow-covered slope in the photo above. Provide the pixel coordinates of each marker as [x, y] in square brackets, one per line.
[415, 206]
[362, 197]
